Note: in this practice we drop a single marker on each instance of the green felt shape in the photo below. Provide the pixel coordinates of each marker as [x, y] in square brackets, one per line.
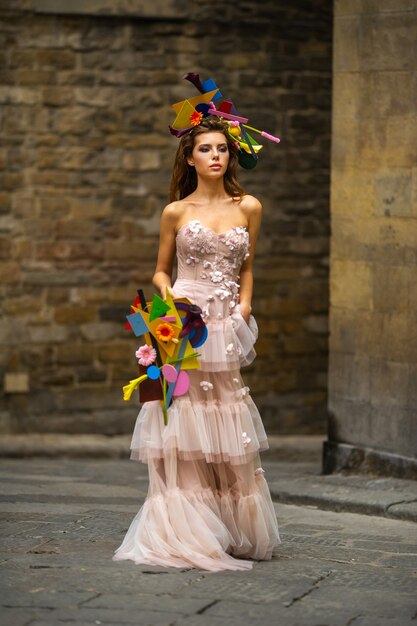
[159, 307]
[247, 161]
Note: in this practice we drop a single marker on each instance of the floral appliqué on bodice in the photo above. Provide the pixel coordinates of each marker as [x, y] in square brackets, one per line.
[214, 257]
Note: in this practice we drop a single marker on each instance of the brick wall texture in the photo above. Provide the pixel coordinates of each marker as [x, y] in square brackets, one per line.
[85, 163]
[373, 340]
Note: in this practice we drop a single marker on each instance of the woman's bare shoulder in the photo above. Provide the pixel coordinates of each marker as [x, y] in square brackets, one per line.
[173, 212]
[251, 205]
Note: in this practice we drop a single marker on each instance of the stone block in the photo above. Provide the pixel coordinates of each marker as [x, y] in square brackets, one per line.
[168, 9]
[391, 336]
[389, 383]
[75, 228]
[35, 77]
[16, 382]
[57, 96]
[91, 374]
[10, 273]
[346, 35]
[393, 193]
[5, 247]
[386, 142]
[390, 289]
[351, 284]
[345, 143]
[358, 7]
[385, 41]
[73, 120]
[412, 289]
[53, 206]
[88, 398]
[74, 354]
[53, 250]
[117, 352]
[73, 314]
[349, 376]
[59, 377]
[19, 95]
[141, 160]
[4, 202]
[48, 334]
[114, 313]
[101, 330]
[57, 59]
[350, 330]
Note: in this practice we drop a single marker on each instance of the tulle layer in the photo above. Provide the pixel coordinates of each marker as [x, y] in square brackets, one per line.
[216, 431]
[231, 343]
[231, 340]
[191, 528]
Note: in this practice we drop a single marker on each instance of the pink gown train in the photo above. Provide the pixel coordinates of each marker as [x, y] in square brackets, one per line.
[208, 504]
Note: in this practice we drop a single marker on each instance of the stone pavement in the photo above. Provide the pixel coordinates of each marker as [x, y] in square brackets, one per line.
[299, 482]
[62, 518]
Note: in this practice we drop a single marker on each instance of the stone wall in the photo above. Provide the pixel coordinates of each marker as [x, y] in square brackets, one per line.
[84, 171]
[373, 372]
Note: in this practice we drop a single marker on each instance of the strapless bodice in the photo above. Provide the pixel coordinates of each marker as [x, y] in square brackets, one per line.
[212, 258]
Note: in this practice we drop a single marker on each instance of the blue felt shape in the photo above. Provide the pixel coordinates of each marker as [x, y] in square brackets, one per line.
[201, 340]
[203, 108]
[137, 323]
[209, 85]
[153, 372]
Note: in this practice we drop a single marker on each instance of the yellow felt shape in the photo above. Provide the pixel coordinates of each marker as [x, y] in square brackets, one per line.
[192, 363]
[173, 312]
[256, 147]
[183, 118]
[202, 97]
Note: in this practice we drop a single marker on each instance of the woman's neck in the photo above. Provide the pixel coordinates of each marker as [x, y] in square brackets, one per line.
[210, 190]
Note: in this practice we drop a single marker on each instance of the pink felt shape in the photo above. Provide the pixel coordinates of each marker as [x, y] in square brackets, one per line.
[183, 384]
[170, 373]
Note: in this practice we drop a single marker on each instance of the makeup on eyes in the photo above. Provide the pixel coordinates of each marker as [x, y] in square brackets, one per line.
[221, 147]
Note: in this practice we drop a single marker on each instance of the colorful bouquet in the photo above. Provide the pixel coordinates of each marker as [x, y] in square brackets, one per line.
[172, 329]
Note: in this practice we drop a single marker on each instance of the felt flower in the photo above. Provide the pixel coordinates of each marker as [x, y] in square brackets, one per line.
[229, 348]
[164, 332]
[246, 439]
[146, 355]
[216, 276]
[206, 385]
[243, 392]
[259, 471]
[195, 118]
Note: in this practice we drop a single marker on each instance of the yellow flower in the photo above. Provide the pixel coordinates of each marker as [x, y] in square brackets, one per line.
[133, 384]
[164, 332]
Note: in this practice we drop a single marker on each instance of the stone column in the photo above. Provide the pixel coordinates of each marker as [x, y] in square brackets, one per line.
[373, 310]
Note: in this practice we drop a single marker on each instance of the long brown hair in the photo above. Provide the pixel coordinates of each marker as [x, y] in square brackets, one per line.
[184, 177]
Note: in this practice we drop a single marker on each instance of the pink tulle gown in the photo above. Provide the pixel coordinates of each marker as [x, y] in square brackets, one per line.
[208, 505]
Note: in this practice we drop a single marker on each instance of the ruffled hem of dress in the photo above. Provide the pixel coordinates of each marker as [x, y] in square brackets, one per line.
[217, 432]
[230, 343]
[189, 529]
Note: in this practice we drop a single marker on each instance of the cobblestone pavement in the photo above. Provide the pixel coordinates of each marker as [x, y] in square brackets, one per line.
[63, 518]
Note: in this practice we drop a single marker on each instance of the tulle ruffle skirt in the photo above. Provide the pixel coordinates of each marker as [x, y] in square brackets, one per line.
[208, 503]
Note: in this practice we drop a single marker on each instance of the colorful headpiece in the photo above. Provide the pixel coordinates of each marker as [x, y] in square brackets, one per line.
[210, 102]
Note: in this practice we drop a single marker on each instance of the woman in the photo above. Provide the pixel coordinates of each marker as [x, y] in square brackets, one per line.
[208, 504]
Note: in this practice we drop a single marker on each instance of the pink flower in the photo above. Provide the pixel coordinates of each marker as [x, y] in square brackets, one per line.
[146, 355]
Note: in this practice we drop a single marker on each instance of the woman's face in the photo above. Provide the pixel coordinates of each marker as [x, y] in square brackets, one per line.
[210, 155]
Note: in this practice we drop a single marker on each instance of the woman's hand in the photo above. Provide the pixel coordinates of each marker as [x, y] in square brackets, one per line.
[245, 311]
[164, 290]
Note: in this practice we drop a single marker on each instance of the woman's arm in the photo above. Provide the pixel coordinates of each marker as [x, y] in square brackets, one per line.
[253, 210]
[167, 233]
